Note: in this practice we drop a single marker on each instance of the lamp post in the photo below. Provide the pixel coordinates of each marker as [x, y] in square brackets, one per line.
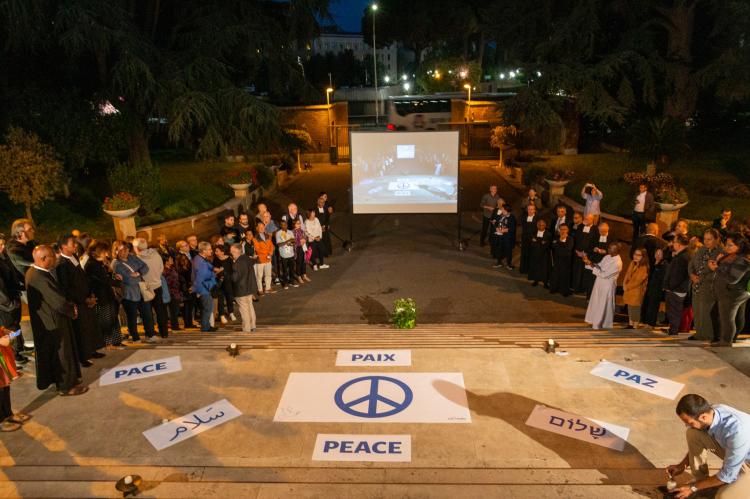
[375, 62]
[468, 107]
[332, 152]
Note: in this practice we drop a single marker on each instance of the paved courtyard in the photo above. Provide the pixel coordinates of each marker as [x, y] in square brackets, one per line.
[78, 447]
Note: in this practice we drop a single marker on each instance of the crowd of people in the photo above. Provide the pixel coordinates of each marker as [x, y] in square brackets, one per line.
[80, 290]
[702, 280]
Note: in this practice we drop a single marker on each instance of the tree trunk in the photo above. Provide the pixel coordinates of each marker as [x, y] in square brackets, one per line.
[28, 212]
[481, 50]
[138, 152]
[500, 162]
[681, 91]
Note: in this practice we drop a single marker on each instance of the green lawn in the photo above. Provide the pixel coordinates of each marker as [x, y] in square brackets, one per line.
[704, 177]
[187, 188]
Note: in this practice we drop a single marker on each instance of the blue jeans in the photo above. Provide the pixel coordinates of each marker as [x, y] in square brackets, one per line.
[207, 308]
[131, 311]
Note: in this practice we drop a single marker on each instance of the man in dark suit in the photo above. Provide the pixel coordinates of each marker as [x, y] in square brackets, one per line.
[676, 283]
[323, 211]
[75, 286]
[644, 210]
[724, 223]
[244, 286]
[562, 217]
[51, 324]
[584, 239]
[650, 241]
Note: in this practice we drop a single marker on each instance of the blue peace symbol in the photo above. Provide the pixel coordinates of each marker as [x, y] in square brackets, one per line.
[373, 397]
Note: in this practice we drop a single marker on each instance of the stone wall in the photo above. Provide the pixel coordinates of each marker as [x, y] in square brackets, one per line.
[313, 119]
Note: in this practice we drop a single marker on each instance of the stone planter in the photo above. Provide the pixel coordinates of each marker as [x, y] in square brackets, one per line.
[556, 189]
[668, 214]
[240, 190]
[122, 213]
[124, 222]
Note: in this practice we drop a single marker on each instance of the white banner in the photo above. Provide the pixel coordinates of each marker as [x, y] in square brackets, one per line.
[380, 448]
[373, 358]
[638, 379]
[570, 425]
[374, 398]
[147, 369]
[189, 425]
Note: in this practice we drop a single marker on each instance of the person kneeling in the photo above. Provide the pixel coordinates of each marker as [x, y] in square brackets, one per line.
[722, 430]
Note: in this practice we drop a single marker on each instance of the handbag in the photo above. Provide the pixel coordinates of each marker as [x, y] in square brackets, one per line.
[146, 293]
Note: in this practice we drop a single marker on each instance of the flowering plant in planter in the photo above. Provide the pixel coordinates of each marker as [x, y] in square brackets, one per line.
[662, 185]
[249, 176]
[558, 175]
[404, 313]
[121, 201]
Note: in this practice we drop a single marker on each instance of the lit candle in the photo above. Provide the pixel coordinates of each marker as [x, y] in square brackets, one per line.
[551, 342]
[671, 485]
[128, 480]
[233, 346]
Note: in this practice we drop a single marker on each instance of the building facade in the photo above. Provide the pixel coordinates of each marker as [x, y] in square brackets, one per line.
[337, 43]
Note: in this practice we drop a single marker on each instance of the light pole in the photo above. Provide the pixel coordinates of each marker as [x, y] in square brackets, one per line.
[468, 88]
[375, 62]
[329, 91]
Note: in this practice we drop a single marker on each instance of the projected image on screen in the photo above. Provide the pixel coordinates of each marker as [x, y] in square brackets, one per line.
[406, 172]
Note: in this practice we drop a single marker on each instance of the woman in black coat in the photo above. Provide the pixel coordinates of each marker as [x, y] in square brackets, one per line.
[654, 290]
[528, 231]
[539, 259]
[562, 262]
[102, 283]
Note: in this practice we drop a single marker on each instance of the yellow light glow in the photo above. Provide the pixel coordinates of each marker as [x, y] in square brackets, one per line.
[329, 90]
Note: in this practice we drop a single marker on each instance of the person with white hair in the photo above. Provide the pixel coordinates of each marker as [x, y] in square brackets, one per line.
[153, 280]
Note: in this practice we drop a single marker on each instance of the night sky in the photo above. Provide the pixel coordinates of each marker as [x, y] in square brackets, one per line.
[348, 13]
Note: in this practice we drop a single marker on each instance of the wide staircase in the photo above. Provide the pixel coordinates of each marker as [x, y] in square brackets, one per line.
[348, 336]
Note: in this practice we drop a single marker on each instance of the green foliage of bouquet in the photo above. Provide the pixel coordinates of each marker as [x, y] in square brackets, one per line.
[404, 314]
[120, 201]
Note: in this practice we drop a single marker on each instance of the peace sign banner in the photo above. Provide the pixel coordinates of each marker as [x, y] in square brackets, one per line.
[374, 398]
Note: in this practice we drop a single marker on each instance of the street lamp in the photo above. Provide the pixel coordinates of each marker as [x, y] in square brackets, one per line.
[386, 78]
[329, 91]
[375, 61]
[468, 88]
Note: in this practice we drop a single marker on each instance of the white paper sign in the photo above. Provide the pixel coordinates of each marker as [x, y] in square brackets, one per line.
[638, 379]
[374, 398]
[120, 374]
[593, 431]
[381, 448]
[189, 425]
[373, 358]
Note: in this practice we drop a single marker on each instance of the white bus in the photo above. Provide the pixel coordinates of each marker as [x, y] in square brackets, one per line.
[418, 112]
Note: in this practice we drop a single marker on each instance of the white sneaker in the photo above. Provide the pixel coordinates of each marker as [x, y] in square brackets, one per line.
[295, 285]
[315, 267]
[152, 339]
[324, 266]
[233, 317]
[223, 319]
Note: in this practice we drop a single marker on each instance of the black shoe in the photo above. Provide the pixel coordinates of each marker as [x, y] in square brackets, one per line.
[629, 326]
[693, 338]
[20, 359]
[213, 329]
[535, 283]
[98, 355]
[87, 363]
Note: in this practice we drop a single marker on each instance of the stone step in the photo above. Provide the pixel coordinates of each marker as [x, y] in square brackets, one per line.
[333, 480]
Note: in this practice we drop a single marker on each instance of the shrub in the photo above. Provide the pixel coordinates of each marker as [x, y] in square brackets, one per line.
[404, 314]
[143, 180]
[265, 175]
[663, 185]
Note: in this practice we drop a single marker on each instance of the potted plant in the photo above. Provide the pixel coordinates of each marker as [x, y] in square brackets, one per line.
[121, 205]
[404, 314]
[668, 196]
[558, 177]
[240, 179]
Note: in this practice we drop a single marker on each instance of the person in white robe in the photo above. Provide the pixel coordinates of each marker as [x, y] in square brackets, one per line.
[601, 310]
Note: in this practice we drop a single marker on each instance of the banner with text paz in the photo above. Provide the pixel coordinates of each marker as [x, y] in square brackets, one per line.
[404, 172]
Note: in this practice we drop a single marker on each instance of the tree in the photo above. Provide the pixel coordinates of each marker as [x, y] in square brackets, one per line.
[499, 138]
[31, 170]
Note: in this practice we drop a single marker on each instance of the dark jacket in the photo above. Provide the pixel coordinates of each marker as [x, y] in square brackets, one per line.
[101, 282]
[677, 278]
[47, 302]
[10, 293]
[243, 277]
[649, 210]
[21, 255]
[732, 277]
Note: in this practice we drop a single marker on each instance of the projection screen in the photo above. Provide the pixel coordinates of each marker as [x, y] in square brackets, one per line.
[404, 172]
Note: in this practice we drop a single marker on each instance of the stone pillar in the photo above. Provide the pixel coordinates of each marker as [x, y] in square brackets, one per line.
[665, 219]
[124, 227]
